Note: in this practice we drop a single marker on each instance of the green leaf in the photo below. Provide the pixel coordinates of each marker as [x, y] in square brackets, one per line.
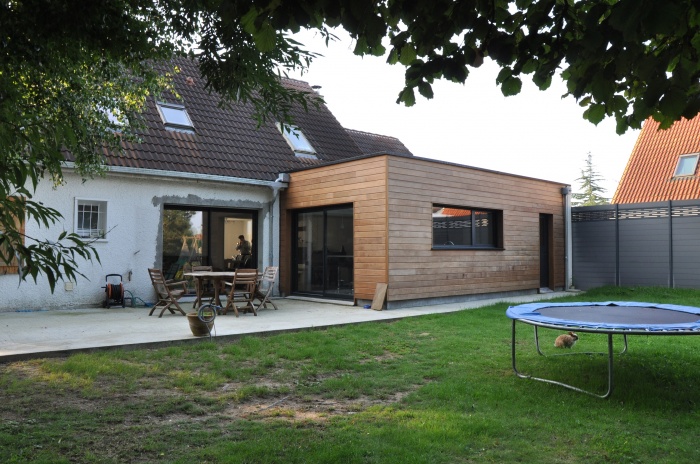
[511, 86]
[265, 38]
[425, 89]
[407, 97]
[595, 113]
[407, 54]
[504, 74]
[393, 57]
[529, 67]
[673, 103]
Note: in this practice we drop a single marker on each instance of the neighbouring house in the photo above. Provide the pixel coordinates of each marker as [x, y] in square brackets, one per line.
[339, 211]
[648, 235]
[663, 165]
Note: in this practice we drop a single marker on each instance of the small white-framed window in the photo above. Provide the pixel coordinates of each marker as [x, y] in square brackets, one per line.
[91, 218]
[175, 116]
[296, 139]
[687, 164]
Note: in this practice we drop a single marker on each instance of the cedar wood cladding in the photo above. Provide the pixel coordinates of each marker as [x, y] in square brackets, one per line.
[417, 271]
[361, 183]
[393, 198]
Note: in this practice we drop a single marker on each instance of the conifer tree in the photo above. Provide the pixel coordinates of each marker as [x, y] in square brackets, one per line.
[591, 193]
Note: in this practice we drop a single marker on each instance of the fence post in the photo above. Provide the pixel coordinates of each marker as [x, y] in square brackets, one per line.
[617, 245]
[670, 244]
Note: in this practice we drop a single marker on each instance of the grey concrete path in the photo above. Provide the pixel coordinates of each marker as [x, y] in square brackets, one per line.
[34, 334]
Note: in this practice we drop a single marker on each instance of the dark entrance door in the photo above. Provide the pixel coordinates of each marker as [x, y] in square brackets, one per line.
[323, 258]
[545, 250]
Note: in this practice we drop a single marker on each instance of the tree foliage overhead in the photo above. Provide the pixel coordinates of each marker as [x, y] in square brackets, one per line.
[626, 59]
[66, 65]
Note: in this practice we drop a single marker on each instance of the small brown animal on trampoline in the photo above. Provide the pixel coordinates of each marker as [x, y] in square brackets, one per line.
[566, 340]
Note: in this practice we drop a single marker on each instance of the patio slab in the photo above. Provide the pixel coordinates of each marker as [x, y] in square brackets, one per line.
[50, 333]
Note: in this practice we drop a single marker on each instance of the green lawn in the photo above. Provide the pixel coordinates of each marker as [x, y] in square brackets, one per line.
[433, 389]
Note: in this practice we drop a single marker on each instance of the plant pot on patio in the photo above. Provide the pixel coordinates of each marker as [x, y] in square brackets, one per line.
[199, 328]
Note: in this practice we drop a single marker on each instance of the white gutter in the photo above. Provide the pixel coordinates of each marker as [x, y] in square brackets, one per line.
[568, 241]
[275, 185]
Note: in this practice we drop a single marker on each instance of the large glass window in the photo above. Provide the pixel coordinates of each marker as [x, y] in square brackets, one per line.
[459, 227]
[195, 236]
[324, 252]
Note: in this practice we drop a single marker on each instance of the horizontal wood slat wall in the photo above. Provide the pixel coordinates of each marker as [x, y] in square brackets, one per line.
[393, 198]
[361, 183]
[417, 271]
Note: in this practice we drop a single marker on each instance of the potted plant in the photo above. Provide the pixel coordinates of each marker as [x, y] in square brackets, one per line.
[198, 327]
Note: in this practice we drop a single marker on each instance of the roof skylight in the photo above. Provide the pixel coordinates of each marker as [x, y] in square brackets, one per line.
[686, 165]
[296, 139]
[175, 116]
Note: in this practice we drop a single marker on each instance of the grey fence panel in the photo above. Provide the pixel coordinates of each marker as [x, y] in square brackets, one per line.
[643, 248]
[594, 254]
[640, 244]
[686, 252]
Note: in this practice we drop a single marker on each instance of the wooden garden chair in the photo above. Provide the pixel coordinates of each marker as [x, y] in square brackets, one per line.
[242, 291]
[263, 291]
[168, 293]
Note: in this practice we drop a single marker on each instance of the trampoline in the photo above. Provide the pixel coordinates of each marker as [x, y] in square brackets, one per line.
[610, 318]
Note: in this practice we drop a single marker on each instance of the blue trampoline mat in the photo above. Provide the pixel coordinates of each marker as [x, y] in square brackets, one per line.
[630, 315]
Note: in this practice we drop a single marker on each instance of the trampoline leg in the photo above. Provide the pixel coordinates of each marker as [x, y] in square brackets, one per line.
[610, 365]
[561, 384]
[537, 342]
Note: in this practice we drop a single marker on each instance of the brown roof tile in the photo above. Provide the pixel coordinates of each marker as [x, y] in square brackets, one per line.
[648, 176]
[371, 144]
[226, 141]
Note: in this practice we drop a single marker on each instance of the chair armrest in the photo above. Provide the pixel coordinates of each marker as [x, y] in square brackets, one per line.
[172, 283]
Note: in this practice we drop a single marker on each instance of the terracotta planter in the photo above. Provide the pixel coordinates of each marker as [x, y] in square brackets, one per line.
[199, 328]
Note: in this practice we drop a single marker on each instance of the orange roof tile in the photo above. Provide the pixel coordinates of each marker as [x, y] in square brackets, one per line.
[649, 173]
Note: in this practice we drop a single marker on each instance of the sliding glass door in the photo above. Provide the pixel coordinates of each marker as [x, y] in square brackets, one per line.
[197, 236]
[323, 257]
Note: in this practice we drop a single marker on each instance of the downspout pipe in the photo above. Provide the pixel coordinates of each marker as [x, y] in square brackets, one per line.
[568, 239]
[280, 184]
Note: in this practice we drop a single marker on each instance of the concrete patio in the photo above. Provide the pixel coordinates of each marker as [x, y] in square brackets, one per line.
[50, 333]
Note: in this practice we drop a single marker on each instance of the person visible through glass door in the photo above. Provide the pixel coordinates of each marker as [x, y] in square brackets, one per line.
[244, 249]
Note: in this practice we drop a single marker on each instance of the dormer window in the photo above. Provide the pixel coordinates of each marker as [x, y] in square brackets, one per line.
[175, 116]
[296, 139]
[687, 164]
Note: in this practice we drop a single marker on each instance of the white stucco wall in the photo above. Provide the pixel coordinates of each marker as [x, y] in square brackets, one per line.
[135, 207]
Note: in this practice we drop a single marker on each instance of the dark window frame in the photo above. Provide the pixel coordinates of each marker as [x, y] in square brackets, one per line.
[496, 233]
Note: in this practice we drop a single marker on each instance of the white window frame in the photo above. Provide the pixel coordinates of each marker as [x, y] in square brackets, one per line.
[169, 123]
[97, 231]
[681, 159]
[297, 141]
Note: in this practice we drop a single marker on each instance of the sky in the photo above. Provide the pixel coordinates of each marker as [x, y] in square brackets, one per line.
[536, 134]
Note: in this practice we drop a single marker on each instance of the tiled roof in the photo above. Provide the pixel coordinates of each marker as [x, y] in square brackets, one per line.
[373, 143]
[226, 141]
[649, 173]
